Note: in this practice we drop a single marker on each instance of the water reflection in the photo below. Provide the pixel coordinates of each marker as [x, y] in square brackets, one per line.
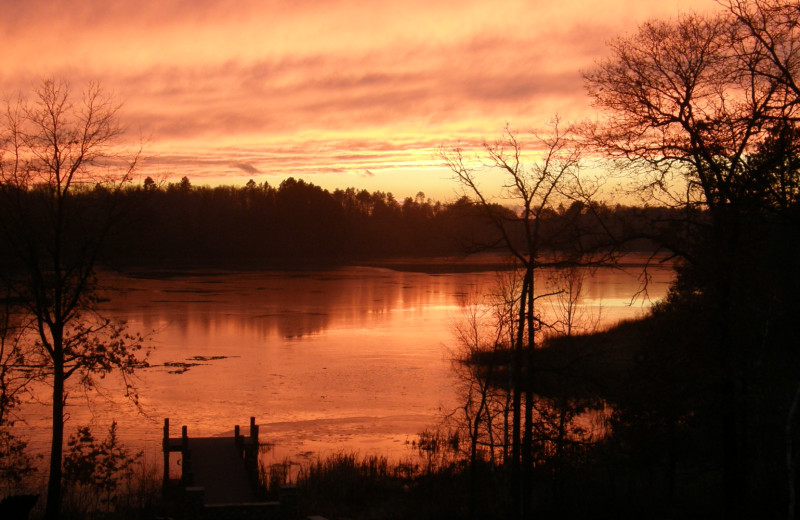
[353, 358]
[288, 305]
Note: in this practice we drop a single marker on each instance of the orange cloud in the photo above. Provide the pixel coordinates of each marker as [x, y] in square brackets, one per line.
[227, 90]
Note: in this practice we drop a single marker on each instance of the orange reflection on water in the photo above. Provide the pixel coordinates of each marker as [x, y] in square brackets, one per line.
[348, 359]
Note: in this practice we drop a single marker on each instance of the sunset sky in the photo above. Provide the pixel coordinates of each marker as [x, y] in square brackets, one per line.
[336, 92]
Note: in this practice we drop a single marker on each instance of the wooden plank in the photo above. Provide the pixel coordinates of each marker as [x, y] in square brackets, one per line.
[218, 467]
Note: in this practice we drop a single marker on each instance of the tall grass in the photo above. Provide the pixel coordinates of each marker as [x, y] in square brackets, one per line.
[346, 485]
[138, 496]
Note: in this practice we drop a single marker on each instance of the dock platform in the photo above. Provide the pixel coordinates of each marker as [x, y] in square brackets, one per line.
[221, 470]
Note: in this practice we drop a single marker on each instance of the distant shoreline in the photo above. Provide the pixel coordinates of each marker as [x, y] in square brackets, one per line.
[480, 262]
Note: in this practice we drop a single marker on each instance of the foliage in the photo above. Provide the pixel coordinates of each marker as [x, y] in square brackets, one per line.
[15, 375]
[15, 464]
[98, 468]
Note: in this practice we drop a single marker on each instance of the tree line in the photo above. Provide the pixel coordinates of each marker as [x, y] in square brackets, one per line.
[297, 224]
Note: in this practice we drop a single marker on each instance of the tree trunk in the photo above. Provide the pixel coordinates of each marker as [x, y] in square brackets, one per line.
[527, 439]
[517, 490]
[53, 509]
[729, 351]
[516, 420]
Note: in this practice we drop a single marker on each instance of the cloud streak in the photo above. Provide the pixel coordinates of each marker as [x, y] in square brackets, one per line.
[226, 89]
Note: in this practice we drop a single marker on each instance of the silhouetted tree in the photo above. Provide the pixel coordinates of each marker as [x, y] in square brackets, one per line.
[537, 189]
[702, 109]
[484, 335]
[55, 150]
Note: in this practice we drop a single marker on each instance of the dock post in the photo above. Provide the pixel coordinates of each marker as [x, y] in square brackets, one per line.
[254, 431]
[238, 439]
[165, 447]
[251, 454]
[186, 463]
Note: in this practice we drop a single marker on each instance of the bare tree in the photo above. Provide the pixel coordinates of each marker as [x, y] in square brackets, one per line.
[532, 240]
[568, 317]
[768, 39]
[484, 336]
[59, 176]
[478, 338]
[475, 338]
[768, 36]
[703, 109]
[688, 103]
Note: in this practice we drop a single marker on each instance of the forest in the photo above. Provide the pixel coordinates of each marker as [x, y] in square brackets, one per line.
[299, 225]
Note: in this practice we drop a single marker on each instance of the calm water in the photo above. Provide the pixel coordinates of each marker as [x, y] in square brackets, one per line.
[353, 359]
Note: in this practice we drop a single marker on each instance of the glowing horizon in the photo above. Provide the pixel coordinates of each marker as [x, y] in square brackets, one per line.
[336, 92]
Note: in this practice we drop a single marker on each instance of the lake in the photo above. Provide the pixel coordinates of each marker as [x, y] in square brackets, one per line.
[355, 358]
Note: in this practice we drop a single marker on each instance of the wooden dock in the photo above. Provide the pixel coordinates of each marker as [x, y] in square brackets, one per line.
[215, 470]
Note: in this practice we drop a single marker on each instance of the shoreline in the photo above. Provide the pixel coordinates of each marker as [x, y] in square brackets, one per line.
[480, 262]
